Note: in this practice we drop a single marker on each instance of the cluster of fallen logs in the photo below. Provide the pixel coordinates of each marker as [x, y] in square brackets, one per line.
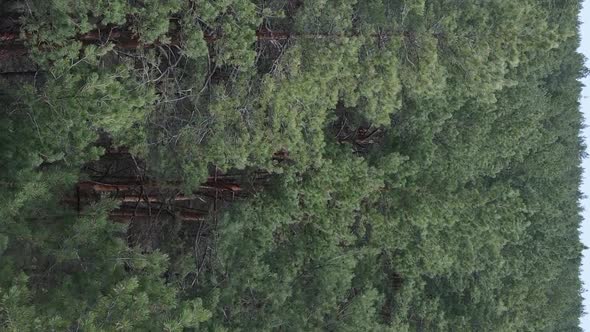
[141, 200]
[119, 176]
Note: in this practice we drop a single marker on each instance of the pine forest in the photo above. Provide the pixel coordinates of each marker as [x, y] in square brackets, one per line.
[290, 165]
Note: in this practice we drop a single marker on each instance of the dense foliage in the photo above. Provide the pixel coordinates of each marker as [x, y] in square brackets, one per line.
[424, 160]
